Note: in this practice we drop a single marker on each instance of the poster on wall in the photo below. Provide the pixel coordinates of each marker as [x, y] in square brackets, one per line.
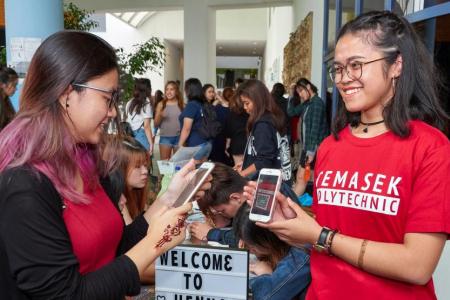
[22, 50]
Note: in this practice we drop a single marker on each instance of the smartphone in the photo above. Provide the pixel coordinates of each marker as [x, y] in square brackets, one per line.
[268, 184]
[194, 184]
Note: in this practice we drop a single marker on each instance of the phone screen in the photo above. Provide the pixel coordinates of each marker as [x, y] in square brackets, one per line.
[265, 194]
[190, 189]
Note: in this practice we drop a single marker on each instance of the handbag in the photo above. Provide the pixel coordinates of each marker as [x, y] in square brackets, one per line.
[126, 129]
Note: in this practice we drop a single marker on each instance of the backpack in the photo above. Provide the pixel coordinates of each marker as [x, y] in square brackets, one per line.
[210, 126]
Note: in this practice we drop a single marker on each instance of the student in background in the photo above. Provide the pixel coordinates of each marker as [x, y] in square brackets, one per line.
[238, 82]
[190, 120]
[277, 93]
[313, 129]
[134, 165]
[209, 93]
[139, 115]
[221, 203]
[282, 271]
[221, 107]
[166, 118]
[148, 85]
[267, 143]
[8, 86]
[235, 128]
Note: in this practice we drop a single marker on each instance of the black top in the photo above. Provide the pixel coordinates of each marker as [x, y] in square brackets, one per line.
[218, 145]
[236, 129]
[283, 105]
[266, 148]
[36, 256]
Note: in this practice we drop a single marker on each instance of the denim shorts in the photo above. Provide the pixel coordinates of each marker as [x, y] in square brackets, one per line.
[140, 136]
[204, 151]
[169, 140]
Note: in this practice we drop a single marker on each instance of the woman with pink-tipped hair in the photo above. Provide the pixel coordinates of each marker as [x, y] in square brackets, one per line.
[61, 234]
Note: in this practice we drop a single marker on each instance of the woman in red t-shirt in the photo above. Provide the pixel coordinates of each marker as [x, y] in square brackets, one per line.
[381, 186]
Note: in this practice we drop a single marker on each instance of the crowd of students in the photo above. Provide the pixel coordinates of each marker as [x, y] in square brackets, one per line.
[380, 215]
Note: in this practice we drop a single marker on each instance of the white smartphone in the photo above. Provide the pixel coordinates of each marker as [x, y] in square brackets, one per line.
[268, 184]
[194, 184]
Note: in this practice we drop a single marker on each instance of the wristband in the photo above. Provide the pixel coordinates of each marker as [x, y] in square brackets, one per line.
[321, 245]
[325, 240]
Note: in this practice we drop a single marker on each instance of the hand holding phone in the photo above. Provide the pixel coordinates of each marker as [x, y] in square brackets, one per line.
[194, 184]
[268, 184]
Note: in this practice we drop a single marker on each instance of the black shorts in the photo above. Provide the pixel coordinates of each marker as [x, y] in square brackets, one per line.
[303, 160]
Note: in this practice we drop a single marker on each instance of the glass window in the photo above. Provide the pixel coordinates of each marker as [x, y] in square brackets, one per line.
[373, 5]
[331, 24]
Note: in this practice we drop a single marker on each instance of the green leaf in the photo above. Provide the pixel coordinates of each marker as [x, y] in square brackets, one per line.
[144, 57]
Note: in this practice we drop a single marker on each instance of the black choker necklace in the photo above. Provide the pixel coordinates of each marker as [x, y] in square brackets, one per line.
[370, 124]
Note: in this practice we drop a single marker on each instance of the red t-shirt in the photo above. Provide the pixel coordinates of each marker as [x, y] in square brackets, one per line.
[95, 230]
[379, 189]
[294, 128]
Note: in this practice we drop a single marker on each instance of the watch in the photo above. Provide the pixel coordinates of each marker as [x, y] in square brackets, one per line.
[323, 243]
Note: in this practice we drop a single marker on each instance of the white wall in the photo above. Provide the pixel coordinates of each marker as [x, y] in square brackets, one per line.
[173, 68]
[165, 25]
[238, 62]
[301, 8]
[278, 33]
[241, 24]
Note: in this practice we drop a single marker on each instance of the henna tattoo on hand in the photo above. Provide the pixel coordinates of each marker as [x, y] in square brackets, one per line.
[171, 231]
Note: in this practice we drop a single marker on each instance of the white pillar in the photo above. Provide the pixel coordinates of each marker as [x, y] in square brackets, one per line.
[199, 41]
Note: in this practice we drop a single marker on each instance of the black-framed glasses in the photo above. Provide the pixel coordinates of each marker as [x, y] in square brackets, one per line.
[112, 102]
[353, 70]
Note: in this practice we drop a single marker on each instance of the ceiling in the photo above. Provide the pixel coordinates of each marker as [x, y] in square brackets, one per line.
[233, 48]
[133, 18]
[162, 5]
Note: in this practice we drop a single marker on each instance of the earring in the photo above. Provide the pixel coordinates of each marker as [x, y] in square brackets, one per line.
[393, 85]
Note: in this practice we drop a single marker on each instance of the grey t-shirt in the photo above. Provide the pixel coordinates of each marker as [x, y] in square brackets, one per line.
[170, 126]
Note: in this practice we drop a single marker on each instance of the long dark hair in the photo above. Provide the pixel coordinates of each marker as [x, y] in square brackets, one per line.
[303, 83]
[7, 112]
[235, 103]
[194, 90]
[278, 90]
[7, 75]
[253, 235]
[262, 103]
[205, 87]
[39, 136]
[416, 95]
[139, 96]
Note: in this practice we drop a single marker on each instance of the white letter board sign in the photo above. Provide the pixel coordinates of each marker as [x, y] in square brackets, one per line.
[202, 273]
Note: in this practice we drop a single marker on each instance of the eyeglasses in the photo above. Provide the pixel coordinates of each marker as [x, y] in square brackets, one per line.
[215, 211]
[113, 101]
[353, 70]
